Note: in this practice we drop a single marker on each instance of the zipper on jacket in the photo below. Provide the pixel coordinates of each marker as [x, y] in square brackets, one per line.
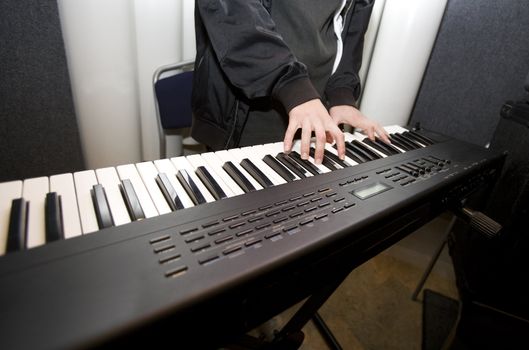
[236, 113]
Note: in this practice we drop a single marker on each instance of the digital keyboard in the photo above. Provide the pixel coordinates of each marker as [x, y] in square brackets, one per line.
[211, 242]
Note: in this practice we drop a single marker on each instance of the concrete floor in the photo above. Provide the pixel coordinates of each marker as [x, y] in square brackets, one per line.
[373, 308]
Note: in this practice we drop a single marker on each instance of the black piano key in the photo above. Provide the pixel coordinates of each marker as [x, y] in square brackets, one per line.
[388, 146]
[53, 217]
[398, 142]
[380, 146]
[102, 209]
[292, 165]
[314, 170]
[336, 159]
[256, 173]
[190, 186]
[18, 224]
[210, 182]
[279, 168]
[353, 153]
[419, 137]
[372, 154]
[131, 200]
[168, 191]
[238, 177]
[328, 163]
[408, 143]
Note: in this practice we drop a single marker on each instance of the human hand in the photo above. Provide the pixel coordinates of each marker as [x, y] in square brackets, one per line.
[349, 115]
[313, 116]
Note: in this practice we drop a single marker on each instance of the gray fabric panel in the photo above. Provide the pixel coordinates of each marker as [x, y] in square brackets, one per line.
[480, 60]
[38, 132]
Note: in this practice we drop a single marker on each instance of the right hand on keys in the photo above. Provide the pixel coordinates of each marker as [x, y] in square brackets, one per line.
[312, 116]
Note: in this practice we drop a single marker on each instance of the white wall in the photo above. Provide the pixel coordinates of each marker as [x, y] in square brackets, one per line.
[113, 48]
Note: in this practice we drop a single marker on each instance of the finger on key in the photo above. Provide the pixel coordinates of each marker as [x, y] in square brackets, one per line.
[320, 145]
[306, 133]
[289, 136]
[383, 134]
[339, 138]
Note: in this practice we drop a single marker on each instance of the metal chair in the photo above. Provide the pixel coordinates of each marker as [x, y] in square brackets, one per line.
[172, 86]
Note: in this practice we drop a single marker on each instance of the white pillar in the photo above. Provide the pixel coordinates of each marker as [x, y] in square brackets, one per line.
[405, 39]
[158, 43]
[100, 50]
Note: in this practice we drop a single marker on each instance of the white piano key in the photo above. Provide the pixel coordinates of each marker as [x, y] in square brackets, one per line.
[34, 191]
[148, 173]
[109, 179]
[84, 182]
[216, 164]
[256, 154]
[235, 156]
[197, 160]
[167, 167]
[130, 172]
[182, 163]
[64, 186]
[8, 191]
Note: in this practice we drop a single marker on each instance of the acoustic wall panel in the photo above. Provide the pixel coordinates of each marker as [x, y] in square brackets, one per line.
[480, 60]
[38, 129]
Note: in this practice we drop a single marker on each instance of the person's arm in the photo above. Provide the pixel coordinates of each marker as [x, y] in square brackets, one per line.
[252, 55]
[343, 89]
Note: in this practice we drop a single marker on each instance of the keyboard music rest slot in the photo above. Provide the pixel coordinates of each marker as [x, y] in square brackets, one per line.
[131, 200]
[256, 173]
[18, 221]
[327, 162]
[34, 192]
[210, 182]
[279, 168]
[53, 212]
[168, 191]
[238, 177]
[102, 209]
[130, 172]
[109, 179]
[64, 186]
[190, 186]
[8, 192]
[84, 183]
[292, 165]
[305, 163]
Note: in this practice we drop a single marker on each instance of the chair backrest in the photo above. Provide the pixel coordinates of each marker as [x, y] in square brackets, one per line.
[172, 85]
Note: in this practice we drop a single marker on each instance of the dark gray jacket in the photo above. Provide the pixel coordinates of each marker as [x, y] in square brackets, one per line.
[242, 59]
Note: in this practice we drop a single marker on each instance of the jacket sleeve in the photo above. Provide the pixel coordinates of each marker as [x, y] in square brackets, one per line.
[252, 54]
[343, 87]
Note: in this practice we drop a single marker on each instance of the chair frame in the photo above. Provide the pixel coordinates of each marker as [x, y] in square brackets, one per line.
[183, 66]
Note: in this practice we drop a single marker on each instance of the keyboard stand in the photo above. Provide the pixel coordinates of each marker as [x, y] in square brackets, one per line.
[291, 335]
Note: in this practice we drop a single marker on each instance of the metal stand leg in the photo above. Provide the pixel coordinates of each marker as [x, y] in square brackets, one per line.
[326, 332]
[433, 260]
